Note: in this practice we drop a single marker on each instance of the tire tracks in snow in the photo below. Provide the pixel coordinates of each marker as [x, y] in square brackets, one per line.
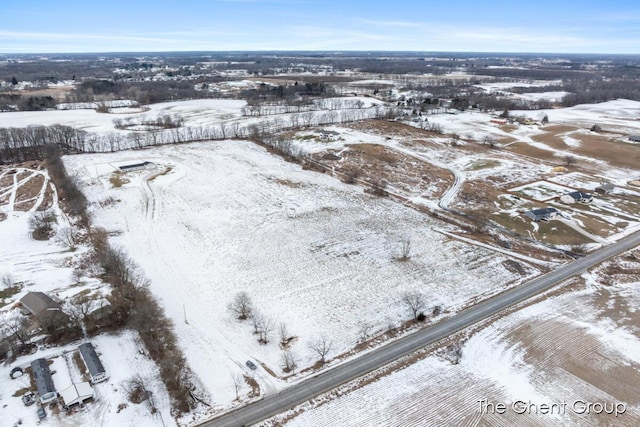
[198, 320]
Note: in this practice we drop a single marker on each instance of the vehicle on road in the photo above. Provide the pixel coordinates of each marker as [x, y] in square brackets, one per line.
[251, 365]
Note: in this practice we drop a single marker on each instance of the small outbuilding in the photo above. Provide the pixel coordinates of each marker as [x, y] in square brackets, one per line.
[92, 362]
[576, 196]
[634, 138]
[137, 166]
[44, 382]
[542, 214]
[605, 188]
[76, 394]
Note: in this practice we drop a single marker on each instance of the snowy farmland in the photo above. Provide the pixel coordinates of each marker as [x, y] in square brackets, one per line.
[577, 348]
[313, 253]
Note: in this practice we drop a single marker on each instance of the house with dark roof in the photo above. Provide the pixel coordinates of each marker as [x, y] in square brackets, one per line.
[44, 382]
[44, 308]
[634, 138]
[542, 214]
[576, 196]
[92, 362]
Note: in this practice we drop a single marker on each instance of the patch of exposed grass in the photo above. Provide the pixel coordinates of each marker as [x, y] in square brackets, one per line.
[164, 172]
[10, 291]
[552, 232]
[483, 164]
[118, 180]
[21, 391]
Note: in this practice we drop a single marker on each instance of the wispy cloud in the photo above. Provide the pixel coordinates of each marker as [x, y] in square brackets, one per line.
[398, 24]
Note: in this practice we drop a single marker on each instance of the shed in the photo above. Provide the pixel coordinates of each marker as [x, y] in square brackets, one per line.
[44, 382]
[92, 362]
[605, 188]
[76, 394]
[542, 214]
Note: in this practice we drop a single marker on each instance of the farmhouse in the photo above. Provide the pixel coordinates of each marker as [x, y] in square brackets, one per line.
[92, 362]
[634, 138]
[44, 382]
[137, 166]
[576, 196]
[542, 214]
[43, 308]
[605, 188]
[76, 394]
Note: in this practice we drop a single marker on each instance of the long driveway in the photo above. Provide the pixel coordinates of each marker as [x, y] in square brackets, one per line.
[384, 355]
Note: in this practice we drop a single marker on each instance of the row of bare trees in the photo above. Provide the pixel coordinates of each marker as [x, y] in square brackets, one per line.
[243, 309]
[21, 144]
[132, 304]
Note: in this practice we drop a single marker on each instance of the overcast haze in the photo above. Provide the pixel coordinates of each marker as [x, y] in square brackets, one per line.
[160, 25]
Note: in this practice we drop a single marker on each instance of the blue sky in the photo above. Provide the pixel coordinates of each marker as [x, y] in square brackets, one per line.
[560, 26]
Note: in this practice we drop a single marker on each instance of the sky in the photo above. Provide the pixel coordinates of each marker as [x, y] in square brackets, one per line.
[559, 26]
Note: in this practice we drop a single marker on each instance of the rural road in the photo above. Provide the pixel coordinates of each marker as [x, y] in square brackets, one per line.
[384, 355]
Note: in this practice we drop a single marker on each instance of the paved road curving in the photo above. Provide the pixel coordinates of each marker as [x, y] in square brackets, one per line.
[382, 356]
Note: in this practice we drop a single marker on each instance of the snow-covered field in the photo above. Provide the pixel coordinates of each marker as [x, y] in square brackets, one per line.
[195, 113]
[569, 351]
[313, 253]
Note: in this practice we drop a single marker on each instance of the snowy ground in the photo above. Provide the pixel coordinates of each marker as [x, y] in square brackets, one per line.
[194, 113]
[313, 253]
[582, 346]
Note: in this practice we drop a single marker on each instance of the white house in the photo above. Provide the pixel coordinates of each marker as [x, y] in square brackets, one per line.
[576, 196]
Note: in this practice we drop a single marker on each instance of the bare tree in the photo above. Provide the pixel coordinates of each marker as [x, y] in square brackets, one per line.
[415, 302]
[7, 280]
[238, 382]
[68, 236]
[41, 224]
[454, 352]
[405, 249]
[364, 331]
[265, 331]
[137, 390]
[490, 141]
[289, 362]
[241, 305]
[569, 160]
[321, 345]
[19, 328]
[257, 321]
[283, 333]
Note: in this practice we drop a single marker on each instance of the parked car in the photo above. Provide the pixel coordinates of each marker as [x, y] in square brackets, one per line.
[42, 414]
[29, 398]
[251, 365]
